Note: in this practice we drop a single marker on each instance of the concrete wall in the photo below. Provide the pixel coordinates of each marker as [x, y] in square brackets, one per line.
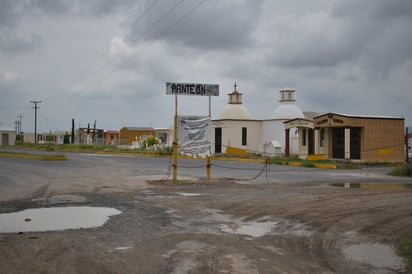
[7, 137]
[274, 130]
[128, 136]
[232, 134]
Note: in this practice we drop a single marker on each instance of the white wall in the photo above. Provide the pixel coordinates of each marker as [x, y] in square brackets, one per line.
[274, 130]
[232, 134]
[10, 137]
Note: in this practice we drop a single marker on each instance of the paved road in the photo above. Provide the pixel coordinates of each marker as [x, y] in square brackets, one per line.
[308, 226]
[20, 178]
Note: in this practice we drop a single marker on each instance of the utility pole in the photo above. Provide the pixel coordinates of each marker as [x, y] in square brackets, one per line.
[72, 140]
[35, 119]
[19, 130]
[407, 151]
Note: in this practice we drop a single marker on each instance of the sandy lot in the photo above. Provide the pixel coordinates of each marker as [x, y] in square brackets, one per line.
[197, 227]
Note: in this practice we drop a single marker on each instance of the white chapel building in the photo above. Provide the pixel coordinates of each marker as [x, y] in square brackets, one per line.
[236, 128]
[273, 129]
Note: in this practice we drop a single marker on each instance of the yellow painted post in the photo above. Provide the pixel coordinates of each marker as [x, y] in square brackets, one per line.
[208, 171]
[175, 143]
[208, 167]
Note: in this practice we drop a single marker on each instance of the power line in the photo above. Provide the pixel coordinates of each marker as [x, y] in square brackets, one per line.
[89, 67]
[151, 42]
[163, 17]
[20, 124]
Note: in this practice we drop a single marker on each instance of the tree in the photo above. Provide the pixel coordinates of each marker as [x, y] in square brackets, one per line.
[66, 139]
[150, 141]
[72, 130]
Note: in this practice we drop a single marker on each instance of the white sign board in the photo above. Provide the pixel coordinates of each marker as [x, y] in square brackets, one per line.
[194, 136]
[192, 89]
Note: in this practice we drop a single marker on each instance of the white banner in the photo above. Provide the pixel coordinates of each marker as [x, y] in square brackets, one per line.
[194, 136]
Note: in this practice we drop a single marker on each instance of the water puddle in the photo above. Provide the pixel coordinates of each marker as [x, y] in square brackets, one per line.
[263, 227]
[55, 218]
[188, 194]
[253, 229]
[377, 255]
[123, 248]
[375, 186]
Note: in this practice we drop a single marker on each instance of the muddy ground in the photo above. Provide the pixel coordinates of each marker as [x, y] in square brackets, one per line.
[221, 227]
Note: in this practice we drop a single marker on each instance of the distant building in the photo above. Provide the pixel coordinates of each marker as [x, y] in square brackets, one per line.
[131, 135]
[8, 137]
[165, 136]
[90, 136]
[235, 127]
[111, 137]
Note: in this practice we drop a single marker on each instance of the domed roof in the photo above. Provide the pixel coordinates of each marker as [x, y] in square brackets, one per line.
[235, 111]
[287, 108]
[287, 111]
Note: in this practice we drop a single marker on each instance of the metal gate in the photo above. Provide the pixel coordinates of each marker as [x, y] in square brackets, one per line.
[355, 143]
[338, 142]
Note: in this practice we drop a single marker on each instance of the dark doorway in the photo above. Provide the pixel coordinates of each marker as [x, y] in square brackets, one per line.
[5, 139]
[311, 145]
[355, 143]
[218, 140]
[338, 142]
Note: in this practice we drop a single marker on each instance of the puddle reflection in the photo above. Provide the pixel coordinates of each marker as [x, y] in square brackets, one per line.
[378, 255]
[55, 218]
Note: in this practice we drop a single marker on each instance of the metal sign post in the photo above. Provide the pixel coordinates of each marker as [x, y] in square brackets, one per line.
[194, 90]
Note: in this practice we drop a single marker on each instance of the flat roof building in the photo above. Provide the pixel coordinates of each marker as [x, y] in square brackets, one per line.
[351, 137]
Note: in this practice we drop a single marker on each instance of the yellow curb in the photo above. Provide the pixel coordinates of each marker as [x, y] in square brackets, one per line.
[294, 163]
[327, 166]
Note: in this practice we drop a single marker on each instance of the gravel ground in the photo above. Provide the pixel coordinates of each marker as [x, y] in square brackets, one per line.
[281, 224]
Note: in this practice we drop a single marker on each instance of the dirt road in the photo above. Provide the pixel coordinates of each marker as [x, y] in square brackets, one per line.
[219, 227]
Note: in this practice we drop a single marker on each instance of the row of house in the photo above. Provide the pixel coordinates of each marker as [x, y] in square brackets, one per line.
[127, 136]
[288, 131]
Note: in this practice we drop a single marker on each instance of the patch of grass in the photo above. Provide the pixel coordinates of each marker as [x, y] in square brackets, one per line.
[308, 164]
[400, 170]
[95, 148]
[405, 251]
[54, 157]
[277, 161]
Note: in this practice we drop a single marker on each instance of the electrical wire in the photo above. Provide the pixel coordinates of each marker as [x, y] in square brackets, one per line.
[127, 61]
[133, 41]
[88, 68]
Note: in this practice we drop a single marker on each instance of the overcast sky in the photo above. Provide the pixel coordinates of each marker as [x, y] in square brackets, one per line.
[109, 60]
